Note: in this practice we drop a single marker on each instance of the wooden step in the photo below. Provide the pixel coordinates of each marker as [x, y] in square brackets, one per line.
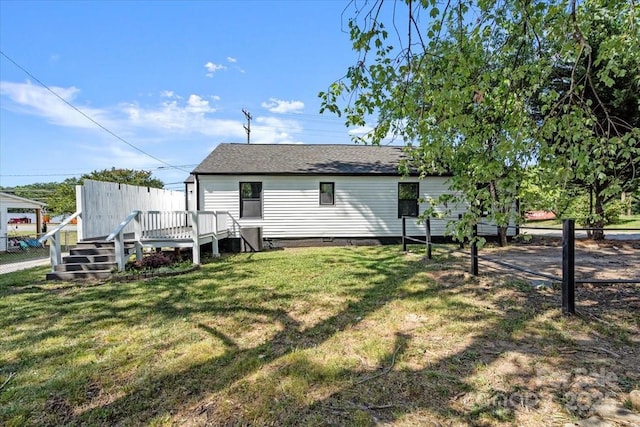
[76, 259]
[92, 251]
[104, 266]
[88, 260]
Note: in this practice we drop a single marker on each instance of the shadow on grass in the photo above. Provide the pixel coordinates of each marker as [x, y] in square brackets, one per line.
[239, 287]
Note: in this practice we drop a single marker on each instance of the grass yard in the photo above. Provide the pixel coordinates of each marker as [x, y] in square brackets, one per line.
[626, 221]
[353, 336]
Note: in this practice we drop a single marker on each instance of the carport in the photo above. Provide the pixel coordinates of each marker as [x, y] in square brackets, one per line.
[10, 201]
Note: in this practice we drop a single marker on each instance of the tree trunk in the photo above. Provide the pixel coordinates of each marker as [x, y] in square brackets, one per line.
[598, 232]
[502, 230]
[502, 234]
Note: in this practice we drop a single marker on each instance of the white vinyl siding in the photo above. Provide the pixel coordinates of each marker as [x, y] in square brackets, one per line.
[365, 206]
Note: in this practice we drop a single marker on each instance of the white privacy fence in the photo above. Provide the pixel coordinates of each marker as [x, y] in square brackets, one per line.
[105, 204]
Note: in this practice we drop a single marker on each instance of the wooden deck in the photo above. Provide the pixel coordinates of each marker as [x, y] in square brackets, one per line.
[156, 229]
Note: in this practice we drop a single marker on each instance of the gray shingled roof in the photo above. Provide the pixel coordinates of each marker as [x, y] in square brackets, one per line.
[284, 159]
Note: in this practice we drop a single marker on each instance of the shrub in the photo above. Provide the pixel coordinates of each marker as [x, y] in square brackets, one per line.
[579, 209]
[153, 260]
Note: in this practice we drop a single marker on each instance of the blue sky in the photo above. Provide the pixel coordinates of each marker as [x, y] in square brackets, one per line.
[170, 78]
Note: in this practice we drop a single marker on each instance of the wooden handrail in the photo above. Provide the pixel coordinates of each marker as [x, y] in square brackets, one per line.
[59, 227]
[122, 225]
[118, 235]
[55, 252]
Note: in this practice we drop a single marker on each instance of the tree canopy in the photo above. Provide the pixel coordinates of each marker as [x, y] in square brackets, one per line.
[484, 89]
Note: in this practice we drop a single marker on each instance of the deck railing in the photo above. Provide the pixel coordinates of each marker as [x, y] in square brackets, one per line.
[171, 228]
[163, 225]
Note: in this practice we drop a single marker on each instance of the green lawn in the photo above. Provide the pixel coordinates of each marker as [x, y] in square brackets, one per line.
[314, 336]
[626, 221]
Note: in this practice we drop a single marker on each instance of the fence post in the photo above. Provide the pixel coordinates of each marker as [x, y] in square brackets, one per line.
[474, 251]
[462, 240]
[195, 234]
[568, 267]
[404, 233]
[428, 236]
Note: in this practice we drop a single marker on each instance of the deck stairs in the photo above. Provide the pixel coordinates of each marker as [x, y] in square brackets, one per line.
[95, 259]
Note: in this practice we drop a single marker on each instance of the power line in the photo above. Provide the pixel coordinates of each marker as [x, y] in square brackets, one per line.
[91, 119]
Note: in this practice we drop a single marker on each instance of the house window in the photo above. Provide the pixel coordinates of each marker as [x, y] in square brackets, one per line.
[408, 194]
[250, 200]
[327, 193]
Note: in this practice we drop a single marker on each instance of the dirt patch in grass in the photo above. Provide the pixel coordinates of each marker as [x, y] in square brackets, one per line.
[594, 260]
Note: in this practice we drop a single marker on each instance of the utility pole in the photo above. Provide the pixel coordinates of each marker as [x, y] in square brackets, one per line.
[247, 128]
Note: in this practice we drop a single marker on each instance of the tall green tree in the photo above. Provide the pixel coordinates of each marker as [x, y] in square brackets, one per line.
[63, 199]
[457, 94]
[463, 87]
[591, 129]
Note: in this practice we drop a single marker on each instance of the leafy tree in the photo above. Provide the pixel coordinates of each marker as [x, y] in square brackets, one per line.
[592, 126]
[538, 192]
[63, 199]
[60, 197]
[460, 101]
[125, 176]
[38, 191]
[463, 93]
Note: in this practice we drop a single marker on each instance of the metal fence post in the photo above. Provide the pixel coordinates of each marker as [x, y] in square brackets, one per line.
[568, 267]
[428, 236]
[474, 251]
[404, 233]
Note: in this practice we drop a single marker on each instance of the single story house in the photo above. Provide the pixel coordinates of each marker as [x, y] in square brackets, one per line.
[326, 192]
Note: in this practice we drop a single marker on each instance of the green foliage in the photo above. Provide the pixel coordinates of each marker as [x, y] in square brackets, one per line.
[63, 199]
[125, 176]
[585, 216]
[60, 197]
[635, 202]
[591, 130]
[538, 193]
[38, 191]
[527, 82]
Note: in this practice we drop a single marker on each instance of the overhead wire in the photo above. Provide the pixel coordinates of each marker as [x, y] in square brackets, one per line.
[85, 115]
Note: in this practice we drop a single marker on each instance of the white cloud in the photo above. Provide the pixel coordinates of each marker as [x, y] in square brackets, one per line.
[273, 130]
[177, 119]
[216, 98]
[38, 101]
[360, 131]
[196, 104]
[232, 59]
[279, 106]
[190, 117]
[212, 68]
